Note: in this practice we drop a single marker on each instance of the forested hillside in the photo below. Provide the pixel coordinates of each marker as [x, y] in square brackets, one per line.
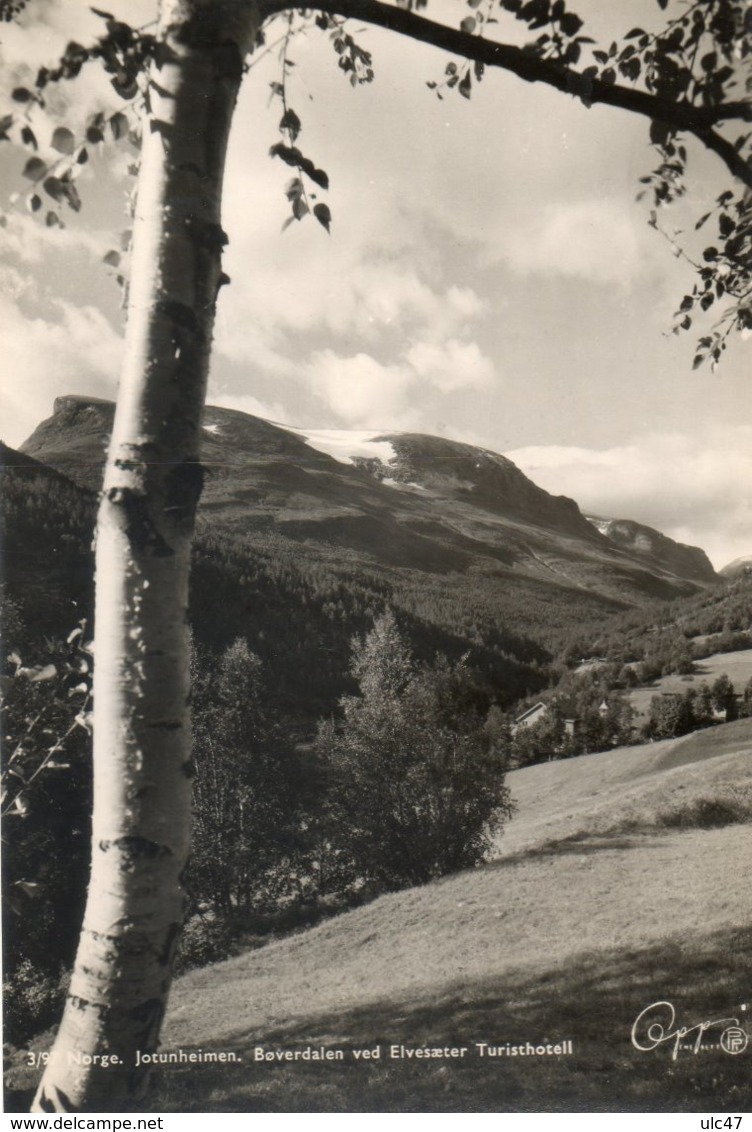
[493, 591]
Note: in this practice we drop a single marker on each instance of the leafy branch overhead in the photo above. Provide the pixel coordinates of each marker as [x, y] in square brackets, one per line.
[691, 79]
[356, 64]
[123, 52]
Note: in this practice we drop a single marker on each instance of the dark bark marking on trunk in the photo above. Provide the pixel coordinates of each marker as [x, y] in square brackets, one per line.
[223, 281]
[183, 486]
[206, 234]
[126, 465]
[135, 848]
[84, 1004]
[188, 769]
[137, 524]
[132, 944]
[165, 956]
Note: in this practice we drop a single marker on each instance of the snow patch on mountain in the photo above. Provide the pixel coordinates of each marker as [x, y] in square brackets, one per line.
[345, 445]
[399, 483]
[601, 525]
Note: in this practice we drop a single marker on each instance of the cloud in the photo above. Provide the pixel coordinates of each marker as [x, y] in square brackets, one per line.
[599, 240]
[31, 242]
[285, 286]
[377, 283]
[694, 491]
[363, 391]
[245, 403]
[41, 359]
[451, 365]
[13, 283]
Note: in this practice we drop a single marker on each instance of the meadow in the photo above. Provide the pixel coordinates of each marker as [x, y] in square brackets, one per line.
[621, 882]
[597, 904]
[736, 665]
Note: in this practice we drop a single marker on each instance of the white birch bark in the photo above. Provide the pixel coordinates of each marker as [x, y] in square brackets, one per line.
[142, 753]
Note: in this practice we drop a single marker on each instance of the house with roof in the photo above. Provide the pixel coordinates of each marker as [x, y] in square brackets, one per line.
[536, 714]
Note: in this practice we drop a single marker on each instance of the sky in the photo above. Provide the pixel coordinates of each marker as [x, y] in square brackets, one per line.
[489, 275]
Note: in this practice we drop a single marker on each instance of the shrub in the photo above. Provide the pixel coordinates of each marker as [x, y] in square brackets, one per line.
[706, 813]
[205, 939]
[32, 1001]
[417, 780]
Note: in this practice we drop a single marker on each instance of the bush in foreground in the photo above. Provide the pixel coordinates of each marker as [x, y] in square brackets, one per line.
[417, 779]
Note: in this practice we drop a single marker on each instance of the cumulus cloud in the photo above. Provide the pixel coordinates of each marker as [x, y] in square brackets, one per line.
[292, 285]
[31, 242]
[595, 239]
[79, 353]
[695, 493]
[376, 283]
[341, 298]
[451, 365]
[245, 403]
[363, 391]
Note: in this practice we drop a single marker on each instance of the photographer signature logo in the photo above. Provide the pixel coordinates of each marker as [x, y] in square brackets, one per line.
[656, 1025]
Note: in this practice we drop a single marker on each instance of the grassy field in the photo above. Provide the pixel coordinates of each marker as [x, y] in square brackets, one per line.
[641, 787]
[736, 665]
[593, 908]
[591, 911]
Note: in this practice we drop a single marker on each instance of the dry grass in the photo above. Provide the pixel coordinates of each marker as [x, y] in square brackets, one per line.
[629, 788]
[568, 934]
[592, 1000]
[541, 910]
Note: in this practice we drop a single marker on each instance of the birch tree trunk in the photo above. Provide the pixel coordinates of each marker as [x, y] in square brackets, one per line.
[142, 751]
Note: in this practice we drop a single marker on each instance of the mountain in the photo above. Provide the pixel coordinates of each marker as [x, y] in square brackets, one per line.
[686, 561]
[739, 568]
[401, 499]
[46, 562]
[304, 535]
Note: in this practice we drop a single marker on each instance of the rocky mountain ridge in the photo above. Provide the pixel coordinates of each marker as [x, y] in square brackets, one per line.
[688, 561]
[401, 499]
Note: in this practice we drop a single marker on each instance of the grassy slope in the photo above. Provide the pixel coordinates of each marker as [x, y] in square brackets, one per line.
[574, 928]
[736, 665]
[628, 787]
[548, 942]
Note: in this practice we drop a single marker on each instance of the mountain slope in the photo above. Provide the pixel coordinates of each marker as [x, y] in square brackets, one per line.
[739, 568]
[46, 561]
[304, 537]
[423, 503]
[686, 561]
[567, 936]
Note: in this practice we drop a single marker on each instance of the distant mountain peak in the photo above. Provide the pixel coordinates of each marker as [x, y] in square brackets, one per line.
[738, 568]
[687, 561]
